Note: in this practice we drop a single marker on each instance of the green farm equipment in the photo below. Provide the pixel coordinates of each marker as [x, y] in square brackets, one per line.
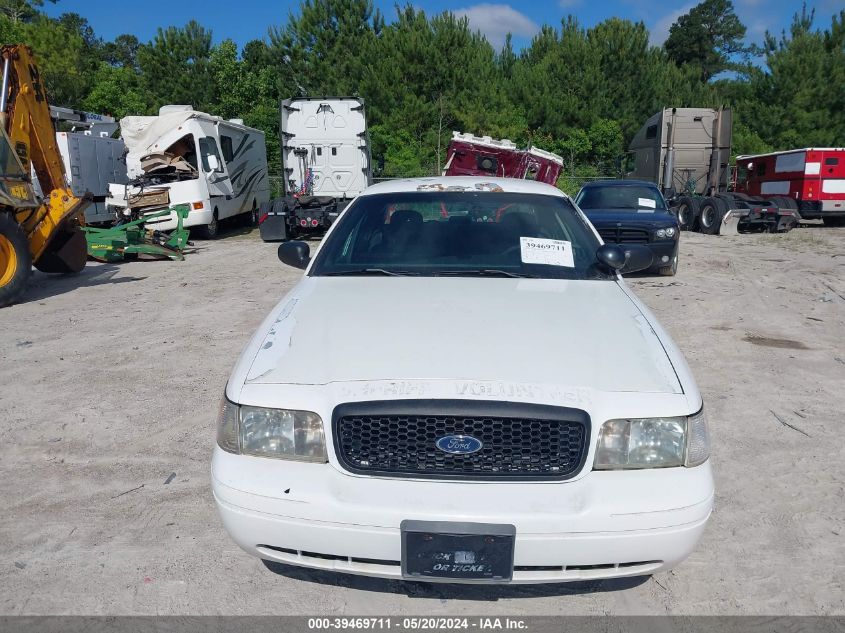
[133, 238]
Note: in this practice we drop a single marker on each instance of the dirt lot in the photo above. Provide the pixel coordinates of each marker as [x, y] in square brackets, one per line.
[109, 384]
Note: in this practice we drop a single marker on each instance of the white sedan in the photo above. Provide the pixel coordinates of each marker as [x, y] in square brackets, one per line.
[462, 388]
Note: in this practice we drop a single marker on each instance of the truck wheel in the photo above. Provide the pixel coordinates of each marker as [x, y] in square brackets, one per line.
[712, 212]
[688, 210]
[15, 260]
[211, 230]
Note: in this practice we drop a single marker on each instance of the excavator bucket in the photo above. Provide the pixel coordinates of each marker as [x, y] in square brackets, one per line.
[66, 252]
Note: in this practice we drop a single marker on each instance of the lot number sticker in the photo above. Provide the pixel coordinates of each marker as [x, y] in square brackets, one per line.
[646, 205]
[550, 252]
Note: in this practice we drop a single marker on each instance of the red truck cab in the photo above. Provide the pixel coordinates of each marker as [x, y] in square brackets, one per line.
[470, 155]
[814, 178]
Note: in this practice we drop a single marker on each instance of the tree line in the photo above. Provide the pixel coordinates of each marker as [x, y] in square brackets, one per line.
[580, 92]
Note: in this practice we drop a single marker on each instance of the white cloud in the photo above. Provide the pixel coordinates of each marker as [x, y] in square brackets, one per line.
[495, 21]
[659, 30]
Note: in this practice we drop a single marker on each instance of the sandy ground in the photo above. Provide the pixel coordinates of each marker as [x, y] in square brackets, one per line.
[110, 380]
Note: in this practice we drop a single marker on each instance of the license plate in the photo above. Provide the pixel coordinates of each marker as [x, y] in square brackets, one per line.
[460, 551]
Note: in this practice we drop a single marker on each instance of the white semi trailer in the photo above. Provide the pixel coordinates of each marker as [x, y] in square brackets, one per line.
[326, 163]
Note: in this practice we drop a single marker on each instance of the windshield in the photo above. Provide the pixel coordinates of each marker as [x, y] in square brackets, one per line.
[615, 197]
[477, 233]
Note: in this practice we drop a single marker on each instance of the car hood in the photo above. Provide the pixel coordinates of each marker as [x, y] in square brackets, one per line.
[569, 333]
[627, 217]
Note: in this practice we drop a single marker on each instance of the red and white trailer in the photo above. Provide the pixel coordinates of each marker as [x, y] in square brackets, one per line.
[810, 180]
[470, 155]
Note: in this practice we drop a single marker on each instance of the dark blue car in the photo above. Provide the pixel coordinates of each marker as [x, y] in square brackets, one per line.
[633, 212]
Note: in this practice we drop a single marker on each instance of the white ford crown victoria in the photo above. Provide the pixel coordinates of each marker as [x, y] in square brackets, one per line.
[462, 388]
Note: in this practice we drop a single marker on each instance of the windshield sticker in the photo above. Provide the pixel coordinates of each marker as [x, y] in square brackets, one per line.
[646, 203]
[534, 250]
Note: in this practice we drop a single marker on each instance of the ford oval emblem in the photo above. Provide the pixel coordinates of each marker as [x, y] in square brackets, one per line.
[459, 444]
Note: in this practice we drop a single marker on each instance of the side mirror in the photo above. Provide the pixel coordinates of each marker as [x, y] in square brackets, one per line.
[296, 254]
[611, 255]
[213, 163]
[637, 257]
[630, 259]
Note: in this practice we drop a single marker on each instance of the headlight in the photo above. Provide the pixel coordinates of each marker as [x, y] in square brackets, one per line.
[660, 233]
[653, 443]
[278, 433]
[670, 232]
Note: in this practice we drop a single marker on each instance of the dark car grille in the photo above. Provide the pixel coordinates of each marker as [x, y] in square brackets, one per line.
[397, 438]
[621, 235]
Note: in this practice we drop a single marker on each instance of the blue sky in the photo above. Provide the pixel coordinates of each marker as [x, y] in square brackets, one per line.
[248, 19]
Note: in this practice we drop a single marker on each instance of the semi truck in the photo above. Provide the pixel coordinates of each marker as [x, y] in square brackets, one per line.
[326, 163]
[469, 155]
[686, 152]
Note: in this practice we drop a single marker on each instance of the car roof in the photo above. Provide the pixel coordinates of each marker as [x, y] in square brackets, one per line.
[463, 183]
[618, 183]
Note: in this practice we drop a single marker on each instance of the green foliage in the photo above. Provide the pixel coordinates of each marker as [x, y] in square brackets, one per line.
[21, 10]
[59, 51]
[176, 68]
[318, 50]
[707, 37]
[117, 91]
[799, 101]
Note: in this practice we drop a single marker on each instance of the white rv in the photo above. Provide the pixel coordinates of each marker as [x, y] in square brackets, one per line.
[216, 166]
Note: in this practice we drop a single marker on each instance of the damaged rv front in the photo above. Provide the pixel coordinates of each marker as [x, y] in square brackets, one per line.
[216, 167]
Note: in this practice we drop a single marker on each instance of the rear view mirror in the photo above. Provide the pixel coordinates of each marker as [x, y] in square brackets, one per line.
[213, 163]
[295, 253]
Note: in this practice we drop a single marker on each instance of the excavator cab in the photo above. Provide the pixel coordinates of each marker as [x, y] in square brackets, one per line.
[16, 190]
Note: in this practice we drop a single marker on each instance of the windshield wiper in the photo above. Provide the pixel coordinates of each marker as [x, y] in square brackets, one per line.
[370, 271]
[485, 272]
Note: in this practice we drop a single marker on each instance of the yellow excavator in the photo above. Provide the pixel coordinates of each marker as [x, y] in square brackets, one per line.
[44, 232]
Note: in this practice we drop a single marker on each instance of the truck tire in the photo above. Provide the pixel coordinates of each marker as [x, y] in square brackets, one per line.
[712, 212]
[790, 203]
[688, 211]
[15, 260]
[211, 230]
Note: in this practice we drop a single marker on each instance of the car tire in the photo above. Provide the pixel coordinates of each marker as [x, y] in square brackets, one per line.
[15, 260]
[712, 212]
[671, 270]
[688, 211]
[211, 230]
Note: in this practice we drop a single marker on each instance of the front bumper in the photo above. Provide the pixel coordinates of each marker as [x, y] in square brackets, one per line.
[663, 252]
[604, 525]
